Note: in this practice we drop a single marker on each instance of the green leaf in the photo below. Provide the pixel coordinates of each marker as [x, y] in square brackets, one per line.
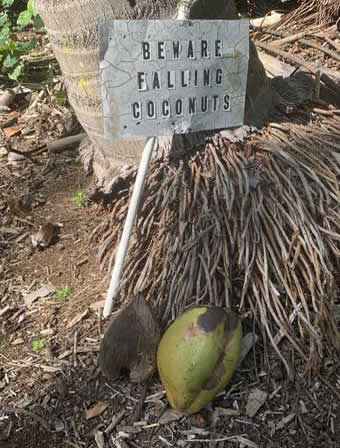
[38, 344]
[60, 98]
[4, 32]
[63, 294]
[16, 72]
[3, 20]
[38, 23]
[11, 45]
[30, 7]
[24, 19]
[10, 61]
[7, 3]
[79, 199]
[3, 42]
[26, 47]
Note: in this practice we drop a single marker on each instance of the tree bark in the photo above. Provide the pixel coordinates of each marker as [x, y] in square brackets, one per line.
[72, 29]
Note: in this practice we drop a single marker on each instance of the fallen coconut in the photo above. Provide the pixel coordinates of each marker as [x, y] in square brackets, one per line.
[198, 355]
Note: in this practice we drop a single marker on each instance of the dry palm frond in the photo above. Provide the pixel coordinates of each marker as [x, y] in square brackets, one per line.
[305, 15]
[255, 228]
[311, 15]
[329, 10]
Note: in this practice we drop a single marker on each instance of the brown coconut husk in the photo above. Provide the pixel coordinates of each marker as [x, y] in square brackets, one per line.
[253, 226]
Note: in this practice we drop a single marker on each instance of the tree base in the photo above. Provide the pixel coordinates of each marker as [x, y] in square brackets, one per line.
[253, 226]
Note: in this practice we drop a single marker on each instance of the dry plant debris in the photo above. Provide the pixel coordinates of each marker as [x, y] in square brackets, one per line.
[203, 229]
[44, 395]
[256, 399]
[252, 225]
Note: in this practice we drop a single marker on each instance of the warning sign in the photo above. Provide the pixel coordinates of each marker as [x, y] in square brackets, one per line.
[162, 77]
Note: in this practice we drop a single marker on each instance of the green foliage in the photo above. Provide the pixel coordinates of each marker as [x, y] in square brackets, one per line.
[38, 344]
[61, 98]
[63, 294]
[13, 21]
[7, 3]
[27, 15]
[79, 199]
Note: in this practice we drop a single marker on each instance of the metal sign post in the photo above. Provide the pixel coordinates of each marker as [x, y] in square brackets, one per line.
[164, 77]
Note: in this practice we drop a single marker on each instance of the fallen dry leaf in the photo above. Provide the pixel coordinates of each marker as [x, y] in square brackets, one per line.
[13, 114]
[46, 235]
[247, 343]
[169, 416]
[9, 132]
[96, 409]
[44, 291]
[255, 400]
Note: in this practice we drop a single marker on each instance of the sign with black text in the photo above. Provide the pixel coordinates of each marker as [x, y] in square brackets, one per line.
[162, 77]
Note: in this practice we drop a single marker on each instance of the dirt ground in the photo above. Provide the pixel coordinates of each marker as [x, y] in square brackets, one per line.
[52, 393]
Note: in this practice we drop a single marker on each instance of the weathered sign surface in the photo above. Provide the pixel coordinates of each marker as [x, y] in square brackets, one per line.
[162, 77]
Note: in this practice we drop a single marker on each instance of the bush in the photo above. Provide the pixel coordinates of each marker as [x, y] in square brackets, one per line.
[15, 16]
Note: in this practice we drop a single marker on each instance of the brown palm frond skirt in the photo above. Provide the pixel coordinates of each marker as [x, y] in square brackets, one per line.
[254, 226]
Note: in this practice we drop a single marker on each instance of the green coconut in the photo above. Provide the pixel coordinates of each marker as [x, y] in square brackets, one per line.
[198, 355]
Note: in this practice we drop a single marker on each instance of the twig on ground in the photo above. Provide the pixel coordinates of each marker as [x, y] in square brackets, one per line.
[65, 143]
[139, 406]
[27, 155]
[300, 38]
[28, 414]
[332, 43]
[115, 421]
[38, 150]
[236, 439]
[288, 39]
[75, 340]
[328, 113]
[330, 53]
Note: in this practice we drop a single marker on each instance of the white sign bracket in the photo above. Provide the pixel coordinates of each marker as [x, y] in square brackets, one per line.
[130, 218]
